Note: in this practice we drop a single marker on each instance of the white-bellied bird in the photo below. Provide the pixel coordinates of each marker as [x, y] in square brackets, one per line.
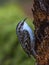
[26, 37]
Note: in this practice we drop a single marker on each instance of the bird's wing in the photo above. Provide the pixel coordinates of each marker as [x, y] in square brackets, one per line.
[26, 42]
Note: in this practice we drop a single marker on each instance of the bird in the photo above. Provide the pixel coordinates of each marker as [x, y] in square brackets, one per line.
[26, 37]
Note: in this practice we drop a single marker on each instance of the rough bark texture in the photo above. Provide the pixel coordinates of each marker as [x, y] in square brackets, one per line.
[41, 22]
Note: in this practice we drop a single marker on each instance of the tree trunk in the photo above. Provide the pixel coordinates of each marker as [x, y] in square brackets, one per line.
[41, 21]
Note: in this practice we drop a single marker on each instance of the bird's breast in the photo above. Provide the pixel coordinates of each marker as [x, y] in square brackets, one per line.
[29, 30]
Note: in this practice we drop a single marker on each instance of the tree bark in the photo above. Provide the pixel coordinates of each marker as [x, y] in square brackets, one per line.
[41, 21]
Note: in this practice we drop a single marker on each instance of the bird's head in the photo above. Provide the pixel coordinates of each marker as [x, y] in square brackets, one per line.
[20, 25]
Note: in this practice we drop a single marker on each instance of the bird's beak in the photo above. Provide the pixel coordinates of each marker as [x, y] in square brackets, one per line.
[23, 21]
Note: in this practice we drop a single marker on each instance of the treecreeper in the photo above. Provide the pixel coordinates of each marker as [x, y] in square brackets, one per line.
[36, 43]
[41, 21]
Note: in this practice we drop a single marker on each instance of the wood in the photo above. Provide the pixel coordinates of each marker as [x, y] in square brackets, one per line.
[41, 21]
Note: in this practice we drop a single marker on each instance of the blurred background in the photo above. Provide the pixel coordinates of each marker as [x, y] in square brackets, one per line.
[11, 12]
